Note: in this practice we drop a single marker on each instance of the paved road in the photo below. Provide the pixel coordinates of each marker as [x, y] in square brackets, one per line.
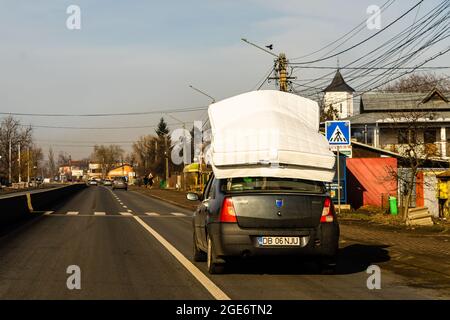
[130, 246]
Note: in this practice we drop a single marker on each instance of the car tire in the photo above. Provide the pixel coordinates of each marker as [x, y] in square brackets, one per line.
[211, 260]
[199, 255]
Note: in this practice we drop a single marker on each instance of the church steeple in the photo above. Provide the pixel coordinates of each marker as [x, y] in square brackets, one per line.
[338, 84]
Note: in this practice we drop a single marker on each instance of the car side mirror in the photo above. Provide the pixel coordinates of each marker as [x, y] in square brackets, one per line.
[192, 196]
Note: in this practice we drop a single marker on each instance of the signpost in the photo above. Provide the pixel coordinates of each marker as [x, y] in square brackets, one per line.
[338, 134]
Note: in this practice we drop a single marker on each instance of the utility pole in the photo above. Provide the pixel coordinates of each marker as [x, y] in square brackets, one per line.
[28, 167]
[20, 167]
[167, 161]
[282, 75]
[281, 63]
[9, 163]
[123, 169]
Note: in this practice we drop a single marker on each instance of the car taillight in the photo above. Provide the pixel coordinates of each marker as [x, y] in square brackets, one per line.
[227, 214]
[328, 211]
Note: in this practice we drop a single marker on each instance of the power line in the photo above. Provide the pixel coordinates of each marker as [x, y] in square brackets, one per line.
[426, 20]
[365, 40]
[368, 68]
[94, 128]
[105, 114]
[360, 26]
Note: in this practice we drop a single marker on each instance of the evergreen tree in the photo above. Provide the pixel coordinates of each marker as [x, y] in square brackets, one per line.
[162, 128]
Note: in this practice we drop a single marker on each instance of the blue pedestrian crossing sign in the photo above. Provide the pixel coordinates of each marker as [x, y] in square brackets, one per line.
[338, 133]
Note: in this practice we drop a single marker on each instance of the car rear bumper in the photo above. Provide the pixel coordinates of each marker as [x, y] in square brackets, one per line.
[232, 241]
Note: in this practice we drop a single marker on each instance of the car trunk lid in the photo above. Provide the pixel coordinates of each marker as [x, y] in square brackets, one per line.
[278, 210]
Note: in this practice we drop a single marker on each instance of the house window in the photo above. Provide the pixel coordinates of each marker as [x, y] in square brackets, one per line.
[429, 136]
[402, 136]
[407, 136]
[340, 108]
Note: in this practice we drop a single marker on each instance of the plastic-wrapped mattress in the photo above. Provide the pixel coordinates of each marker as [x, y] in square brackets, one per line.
[269, 133]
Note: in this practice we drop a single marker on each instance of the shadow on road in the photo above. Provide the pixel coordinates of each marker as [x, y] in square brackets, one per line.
[352, 259]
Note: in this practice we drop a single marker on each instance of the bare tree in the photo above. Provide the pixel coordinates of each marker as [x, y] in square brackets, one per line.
[146, 155]
[12, 133]
[107, 156]
[415, 152]
[420, 82]
[52, 170]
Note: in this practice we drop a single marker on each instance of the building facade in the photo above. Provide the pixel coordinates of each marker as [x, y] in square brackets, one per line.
[392, 121]
[338, 96]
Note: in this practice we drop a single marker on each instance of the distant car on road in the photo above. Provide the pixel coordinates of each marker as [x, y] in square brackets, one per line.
[107, 182]
[120, 183]
[264, 216]
[92, 182]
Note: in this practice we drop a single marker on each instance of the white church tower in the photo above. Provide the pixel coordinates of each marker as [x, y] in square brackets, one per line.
[339, 96]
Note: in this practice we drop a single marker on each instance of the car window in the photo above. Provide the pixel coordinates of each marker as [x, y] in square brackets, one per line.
[249, 184]
[207, 188]
[212, 190]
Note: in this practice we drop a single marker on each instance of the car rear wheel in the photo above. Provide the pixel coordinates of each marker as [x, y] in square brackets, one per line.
[214, 267]
[199, 255]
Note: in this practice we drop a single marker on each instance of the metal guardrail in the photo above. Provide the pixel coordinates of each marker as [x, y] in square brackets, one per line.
[18, 207]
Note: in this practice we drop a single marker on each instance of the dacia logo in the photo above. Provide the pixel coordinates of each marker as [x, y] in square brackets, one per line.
[279, 203]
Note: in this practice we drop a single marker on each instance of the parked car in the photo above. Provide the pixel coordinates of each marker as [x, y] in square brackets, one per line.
[120, 183]
[263, 216]
[107, 182]
[92, 182]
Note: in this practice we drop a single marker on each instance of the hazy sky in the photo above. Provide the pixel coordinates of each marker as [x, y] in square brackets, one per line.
[142, 55]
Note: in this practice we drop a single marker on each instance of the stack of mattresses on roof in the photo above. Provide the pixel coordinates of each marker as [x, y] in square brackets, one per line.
[268, 133]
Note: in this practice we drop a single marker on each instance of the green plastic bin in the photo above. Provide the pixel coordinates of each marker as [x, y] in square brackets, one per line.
[393, 206]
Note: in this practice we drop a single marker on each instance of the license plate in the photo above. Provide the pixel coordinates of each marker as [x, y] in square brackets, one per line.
[278, 241]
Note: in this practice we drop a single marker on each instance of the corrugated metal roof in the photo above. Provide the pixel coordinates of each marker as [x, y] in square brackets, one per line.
[385, 101]
[374, 117]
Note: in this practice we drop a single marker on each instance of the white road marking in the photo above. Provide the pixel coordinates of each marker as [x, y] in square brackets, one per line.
[48, 213]
[178, 214]
[212, 288]
[99, 213]
[152, 214]
[72, 213]
[125, 207]
[126, 213]
[130, 210]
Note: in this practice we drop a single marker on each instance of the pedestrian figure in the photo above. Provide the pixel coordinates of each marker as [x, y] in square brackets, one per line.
[150, 180]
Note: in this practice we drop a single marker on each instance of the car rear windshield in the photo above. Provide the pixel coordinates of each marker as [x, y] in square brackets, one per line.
[268, 184]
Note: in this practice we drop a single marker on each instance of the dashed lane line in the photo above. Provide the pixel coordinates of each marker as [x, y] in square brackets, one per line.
[72, 213]
[152, 214]
[125, 213]
[99, 213]
[178, 214]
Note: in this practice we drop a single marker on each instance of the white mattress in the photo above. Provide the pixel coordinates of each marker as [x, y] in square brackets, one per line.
[269, 133]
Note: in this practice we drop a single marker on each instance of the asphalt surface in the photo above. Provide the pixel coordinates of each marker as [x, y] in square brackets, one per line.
[130, 246]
